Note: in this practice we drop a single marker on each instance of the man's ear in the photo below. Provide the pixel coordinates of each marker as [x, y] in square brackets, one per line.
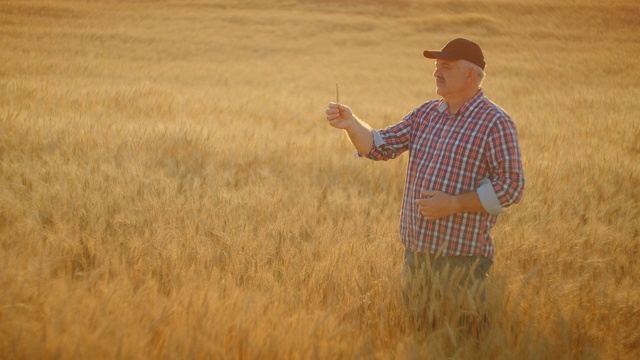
[470, 75]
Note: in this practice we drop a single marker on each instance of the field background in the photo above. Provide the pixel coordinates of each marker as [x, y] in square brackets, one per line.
[169, 187]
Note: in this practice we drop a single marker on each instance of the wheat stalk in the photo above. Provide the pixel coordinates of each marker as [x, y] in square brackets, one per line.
[337, 94]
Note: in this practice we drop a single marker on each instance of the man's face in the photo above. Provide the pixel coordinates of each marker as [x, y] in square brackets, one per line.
[450, 77]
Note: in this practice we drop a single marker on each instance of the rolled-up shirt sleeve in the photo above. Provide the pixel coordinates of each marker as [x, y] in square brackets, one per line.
[377, 142]
[488, 197]
[505, 166]
[389, 143]
[377, 139]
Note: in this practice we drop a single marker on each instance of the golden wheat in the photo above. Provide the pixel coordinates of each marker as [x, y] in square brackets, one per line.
[169, 187]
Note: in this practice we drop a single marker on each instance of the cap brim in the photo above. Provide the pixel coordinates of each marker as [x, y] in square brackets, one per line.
[436, 55]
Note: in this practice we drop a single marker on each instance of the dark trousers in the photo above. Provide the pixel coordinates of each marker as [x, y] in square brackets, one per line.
[445, 288]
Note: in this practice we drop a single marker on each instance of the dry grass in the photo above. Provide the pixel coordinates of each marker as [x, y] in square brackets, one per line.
[169, 188]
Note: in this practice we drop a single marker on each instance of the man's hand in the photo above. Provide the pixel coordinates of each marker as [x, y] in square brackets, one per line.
[339, 116]
[436, 204]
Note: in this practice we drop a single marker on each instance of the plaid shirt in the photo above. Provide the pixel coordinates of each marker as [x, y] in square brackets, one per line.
[453, 154]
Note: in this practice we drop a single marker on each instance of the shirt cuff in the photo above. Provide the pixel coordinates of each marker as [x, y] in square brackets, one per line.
[488, 197]
[377, 141]
[377, 138]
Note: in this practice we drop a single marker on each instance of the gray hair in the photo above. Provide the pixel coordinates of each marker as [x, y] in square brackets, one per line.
[477, 69]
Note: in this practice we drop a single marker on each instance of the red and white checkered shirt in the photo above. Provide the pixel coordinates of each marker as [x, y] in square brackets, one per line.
[453, 154]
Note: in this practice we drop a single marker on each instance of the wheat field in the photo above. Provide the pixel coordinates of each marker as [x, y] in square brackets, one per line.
[169, 187]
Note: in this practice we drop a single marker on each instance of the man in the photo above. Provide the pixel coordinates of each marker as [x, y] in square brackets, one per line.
[464, 168]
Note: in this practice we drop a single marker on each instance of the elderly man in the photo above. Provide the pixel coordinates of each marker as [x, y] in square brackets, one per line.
[464, 169]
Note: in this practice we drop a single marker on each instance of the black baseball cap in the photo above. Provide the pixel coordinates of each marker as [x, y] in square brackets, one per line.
[459, 49]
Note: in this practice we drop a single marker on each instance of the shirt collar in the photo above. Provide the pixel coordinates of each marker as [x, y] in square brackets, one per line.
[466, 107]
